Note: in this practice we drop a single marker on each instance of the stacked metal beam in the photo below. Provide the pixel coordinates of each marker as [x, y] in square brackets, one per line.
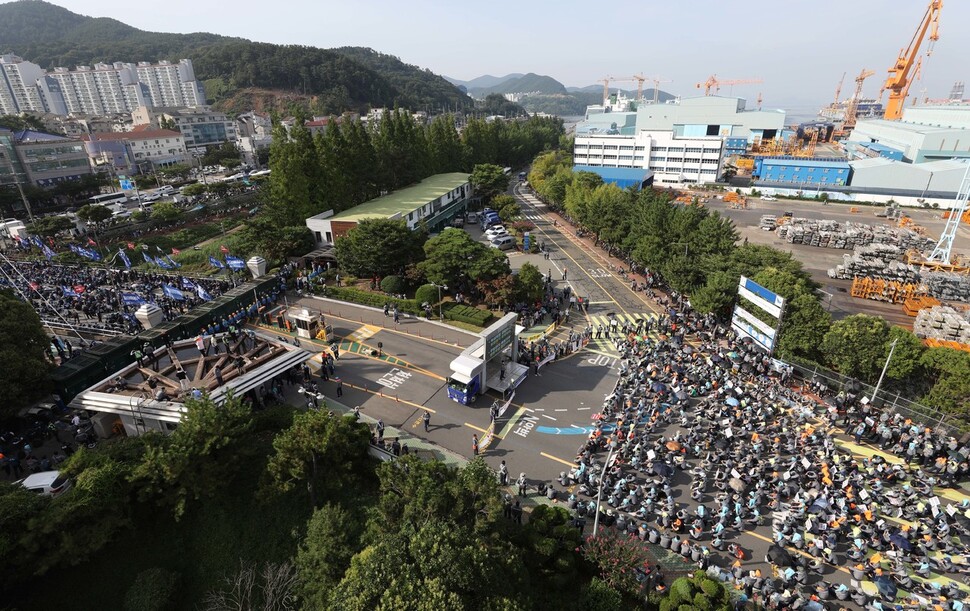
[884, 261]
[847, 236]
[943, 323]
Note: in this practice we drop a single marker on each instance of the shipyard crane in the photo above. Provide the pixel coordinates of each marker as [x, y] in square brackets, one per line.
[713, 83]
[853, 105]
[941, 254]
[656, 88]
[838, 90]
[606, 88]
[900, 77]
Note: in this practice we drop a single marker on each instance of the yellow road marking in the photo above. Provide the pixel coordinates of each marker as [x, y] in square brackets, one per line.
[557, 459]
[479, 429]
[389, 397]
[430, 374]
[391, 330]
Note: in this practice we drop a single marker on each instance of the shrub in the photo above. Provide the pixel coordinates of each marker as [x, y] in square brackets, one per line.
[355, 295]
[426, 293]
[393, 284]
[153, 590]
[467, 314]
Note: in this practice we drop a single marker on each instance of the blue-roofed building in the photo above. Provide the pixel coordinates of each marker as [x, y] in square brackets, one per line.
[804, 171]
[621, 177]
[46, 159]
[735, 146]
[867, 150]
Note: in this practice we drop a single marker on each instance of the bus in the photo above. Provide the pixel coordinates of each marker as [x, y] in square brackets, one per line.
[108, 199]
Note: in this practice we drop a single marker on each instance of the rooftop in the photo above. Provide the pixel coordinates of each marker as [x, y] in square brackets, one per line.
[132, 135]
[28, 136]
[805, 163]
[405, 200]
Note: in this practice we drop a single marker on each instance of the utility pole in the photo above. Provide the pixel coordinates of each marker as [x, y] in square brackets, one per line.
[23, 197]
[892, 348]
[599, 490]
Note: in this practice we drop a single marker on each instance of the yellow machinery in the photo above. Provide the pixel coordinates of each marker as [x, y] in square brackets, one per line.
[903, 72]
[890, 291]
[852, 106]
[714, 84]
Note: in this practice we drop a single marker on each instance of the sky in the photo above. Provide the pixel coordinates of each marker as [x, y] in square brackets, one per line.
[799, 48]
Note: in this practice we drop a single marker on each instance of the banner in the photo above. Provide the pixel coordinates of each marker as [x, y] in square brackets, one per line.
[203, 294]
[235, 263]
[48, 252]
[131, 246]
[131, 299]
[147, 258]
[176, 251]
[124, 259]
[172, 293]
[68, 292]
[188, 284]
[216, 263]
[162, 263]
[172, 262]
[224, 250]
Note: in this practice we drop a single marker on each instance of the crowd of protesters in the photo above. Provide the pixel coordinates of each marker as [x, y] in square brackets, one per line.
[719, 419]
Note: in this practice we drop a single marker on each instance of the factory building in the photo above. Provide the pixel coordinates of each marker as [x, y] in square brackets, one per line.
[915, 179]
[925, 133]
[684, 141]
[804, 172]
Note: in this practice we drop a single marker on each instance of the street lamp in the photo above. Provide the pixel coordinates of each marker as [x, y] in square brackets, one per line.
[599, 490]
[441, 315]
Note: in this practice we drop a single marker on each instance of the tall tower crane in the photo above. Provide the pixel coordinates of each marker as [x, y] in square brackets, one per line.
[853, 105]
[838, 90]
[712, 83]
[900, 77]
[656, 88]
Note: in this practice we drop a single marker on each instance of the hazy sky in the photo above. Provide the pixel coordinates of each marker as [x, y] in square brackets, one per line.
[800, 48]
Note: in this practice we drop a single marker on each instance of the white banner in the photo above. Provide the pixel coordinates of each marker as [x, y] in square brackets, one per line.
[758, 301]
[754, 320]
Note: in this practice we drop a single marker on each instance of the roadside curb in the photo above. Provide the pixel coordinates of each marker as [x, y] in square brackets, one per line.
[379, 310]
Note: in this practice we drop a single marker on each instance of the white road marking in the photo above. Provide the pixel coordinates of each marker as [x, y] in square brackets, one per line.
[561, 409]
[549, 417]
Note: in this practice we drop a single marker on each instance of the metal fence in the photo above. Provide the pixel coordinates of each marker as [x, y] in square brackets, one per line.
[888, 400]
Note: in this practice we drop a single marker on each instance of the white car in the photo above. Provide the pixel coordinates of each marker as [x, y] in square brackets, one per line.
[47, 483]
[496, 232]
[769, 198]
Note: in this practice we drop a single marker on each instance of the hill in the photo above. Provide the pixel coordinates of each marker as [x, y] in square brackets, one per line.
[527, 83]
[335, 79]
[484, 81]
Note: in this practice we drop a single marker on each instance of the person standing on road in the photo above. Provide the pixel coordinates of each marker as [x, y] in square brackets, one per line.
[503, 474]
[340, 387]
[493, 413]
[380, 429]
[475, 444]
[521, 483]
[427, 420]
[565, 273]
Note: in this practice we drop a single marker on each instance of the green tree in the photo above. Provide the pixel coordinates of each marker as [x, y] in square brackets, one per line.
[856, 345]
[600, 596]
[619, 559]
[508, 208]
[489, 180]
[379, 247]
[289, 187]
[154, 589]
[195, 460]
[579, 195]
[332, 539]
[166, 211]
[275, 241]
[950, 392]
[907, 357]
[93, 214]
[50, 225]
[453, 254]
[445, 149]
[24, 369]
[316, 439]
[194, 189]
[697, 593]
[529, 284]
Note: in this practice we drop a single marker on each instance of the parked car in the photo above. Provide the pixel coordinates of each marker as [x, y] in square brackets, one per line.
[495, 232]
[47, 483]
[769, 198]
[505, 242]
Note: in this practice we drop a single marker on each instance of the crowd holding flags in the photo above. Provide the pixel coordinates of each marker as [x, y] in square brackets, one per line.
[124, 259]
[216, 263]
[173, 293]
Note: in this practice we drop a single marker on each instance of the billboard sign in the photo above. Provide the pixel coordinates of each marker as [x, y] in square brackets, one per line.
[499, 336]
[761, 297]
[754, 321]
[743, 327]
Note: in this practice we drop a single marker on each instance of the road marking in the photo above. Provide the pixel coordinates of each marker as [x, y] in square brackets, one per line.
[540, 409]
[511, 423]
[549, 417]
[557, 459]
[364, 332]
[472, 426]
[380, 393]
[391, 330]
[582, 409]
[602, 302]
[561, 409]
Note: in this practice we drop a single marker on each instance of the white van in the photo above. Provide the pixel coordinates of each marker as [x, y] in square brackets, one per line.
[505, 242]
[166, 190]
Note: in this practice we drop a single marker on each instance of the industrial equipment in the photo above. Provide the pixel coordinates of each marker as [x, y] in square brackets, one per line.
[714, 84]
[903, 72]
[941, 254]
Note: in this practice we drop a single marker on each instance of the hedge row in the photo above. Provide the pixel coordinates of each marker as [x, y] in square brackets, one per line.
[467, 314]
[375, 300]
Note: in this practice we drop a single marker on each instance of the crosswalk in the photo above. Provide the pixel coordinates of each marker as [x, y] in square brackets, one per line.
[533, 217]
[604, 323]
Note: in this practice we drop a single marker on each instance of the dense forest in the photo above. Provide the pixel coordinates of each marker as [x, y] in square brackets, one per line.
[338, 79]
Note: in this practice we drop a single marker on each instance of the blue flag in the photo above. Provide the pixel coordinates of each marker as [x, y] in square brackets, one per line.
[235, 262]
[68, 291]
[124, 258]
[47, 252]
[172, 261]
[216, 262]
[131, 299]
[188, 284]
[173, 293]
[162, 263]
[75, 249]
[148, 258]
[203, 294]
[37, 242]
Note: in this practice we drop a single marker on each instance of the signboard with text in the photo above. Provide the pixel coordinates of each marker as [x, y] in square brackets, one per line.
[747, 324]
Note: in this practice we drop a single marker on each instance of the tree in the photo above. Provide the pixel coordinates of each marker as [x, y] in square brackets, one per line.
[907, 357]
[489, 180]
[270, 587]
[194, 189]
[529, 284]
[620, 560]
[508, 208]
[379, 247]
[453, 254]
[154, 589]
[332, 539]
[856, 345]
[195, 459]
[23, 368]
[274, 240]
[314, 439]
[698, 593]
[50, 225]
[93, 214]
[166, 211]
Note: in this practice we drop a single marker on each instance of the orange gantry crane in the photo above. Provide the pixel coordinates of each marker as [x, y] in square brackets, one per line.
[903, 72]
[714, 84]
[853, 106]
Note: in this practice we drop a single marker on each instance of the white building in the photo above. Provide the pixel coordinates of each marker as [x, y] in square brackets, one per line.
[139, 150]
[680, 141]
[18, 86]
[171, 84]
[199, 126]
[925, 133]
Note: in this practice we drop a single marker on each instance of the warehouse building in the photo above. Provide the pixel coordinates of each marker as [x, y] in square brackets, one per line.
[803, 172]
[621, 177]
[915, 179]
[433, 203]
[925, 133]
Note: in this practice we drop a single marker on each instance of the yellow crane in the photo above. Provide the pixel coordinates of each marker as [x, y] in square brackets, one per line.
[838, 90]
[853, 105]
[656, 88]
[714, 84]
[907, 64]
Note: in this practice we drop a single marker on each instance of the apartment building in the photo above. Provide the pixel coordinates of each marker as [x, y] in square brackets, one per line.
[199, 126]
[140, 150]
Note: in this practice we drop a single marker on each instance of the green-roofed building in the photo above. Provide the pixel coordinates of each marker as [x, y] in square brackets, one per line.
[434, 202]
